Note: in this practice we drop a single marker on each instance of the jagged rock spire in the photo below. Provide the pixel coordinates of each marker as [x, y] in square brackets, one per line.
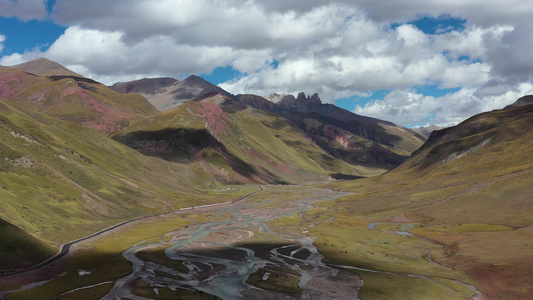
[300, 103]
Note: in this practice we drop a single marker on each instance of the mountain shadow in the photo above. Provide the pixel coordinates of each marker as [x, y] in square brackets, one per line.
[183, 145]
[20, 249]
[77, 78]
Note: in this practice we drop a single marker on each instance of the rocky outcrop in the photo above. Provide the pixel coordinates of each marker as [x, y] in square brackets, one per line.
[300, 103]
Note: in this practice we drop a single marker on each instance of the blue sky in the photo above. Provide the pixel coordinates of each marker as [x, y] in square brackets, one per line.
[429, 25]
[27, 35]
[414, 62]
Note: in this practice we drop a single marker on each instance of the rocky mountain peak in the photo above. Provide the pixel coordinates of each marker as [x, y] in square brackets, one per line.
[196, 81]
[299, 103]
[44, 67]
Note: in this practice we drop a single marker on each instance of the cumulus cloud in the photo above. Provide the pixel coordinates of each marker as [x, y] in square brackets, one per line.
[106, 54]
[25, 10]
[2, 39]
[18, 58]
[410, 108]
[365, 57]
[337, 49]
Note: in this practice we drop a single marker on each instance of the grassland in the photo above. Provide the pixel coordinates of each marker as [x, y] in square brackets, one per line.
[468, 192]
[61, 181]
[20, 248]
[145, 290]
[347, 240]
[103, 259]
[238, 146]
[279, 279]
[399, 263]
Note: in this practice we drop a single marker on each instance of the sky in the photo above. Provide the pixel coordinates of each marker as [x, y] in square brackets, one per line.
[412, 62]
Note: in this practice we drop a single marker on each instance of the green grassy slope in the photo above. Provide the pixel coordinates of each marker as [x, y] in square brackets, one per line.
[233, 142]
[19, 248]
[76, 99]
[372, 145]
[60, 181]
[469, 188]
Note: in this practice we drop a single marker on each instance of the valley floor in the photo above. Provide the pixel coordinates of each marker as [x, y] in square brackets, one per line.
[285, 242]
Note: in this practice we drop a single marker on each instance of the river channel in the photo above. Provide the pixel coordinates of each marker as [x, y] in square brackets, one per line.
[241, 250]
[218, 267]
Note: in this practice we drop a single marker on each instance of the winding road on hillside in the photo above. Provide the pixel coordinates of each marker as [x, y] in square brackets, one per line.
[65, 249]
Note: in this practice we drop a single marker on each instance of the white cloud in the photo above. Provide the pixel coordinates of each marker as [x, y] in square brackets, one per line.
[459, 74]
[2, 40]
[411, 36]
[337, 49]
[25, 10]
[106, 54]
[17, 58]
[13, 59]
[414, 109]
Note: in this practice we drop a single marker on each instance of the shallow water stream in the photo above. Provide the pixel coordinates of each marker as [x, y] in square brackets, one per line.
[226, 277]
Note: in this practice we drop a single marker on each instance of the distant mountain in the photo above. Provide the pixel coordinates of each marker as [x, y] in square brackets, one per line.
[369, 144]
[44, 67]
[325, 133]
[234, 142]
[165, 93]
[358, 140]
[426, 131]
[61, 93]
[146, 86]
[521, 101]
[476, 134]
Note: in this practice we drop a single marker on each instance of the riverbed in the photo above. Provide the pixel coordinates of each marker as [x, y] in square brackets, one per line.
[218, 267]
[245, 249]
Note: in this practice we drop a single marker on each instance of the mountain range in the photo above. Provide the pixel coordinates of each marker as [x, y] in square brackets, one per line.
[77, 156]
[166, 93]
[60, 153]
[370, 146]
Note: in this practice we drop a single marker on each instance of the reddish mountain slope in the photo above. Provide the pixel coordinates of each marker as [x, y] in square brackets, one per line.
[367, 143]
[233, 142]
[70, 97]
[357, 140]
[165, 93]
